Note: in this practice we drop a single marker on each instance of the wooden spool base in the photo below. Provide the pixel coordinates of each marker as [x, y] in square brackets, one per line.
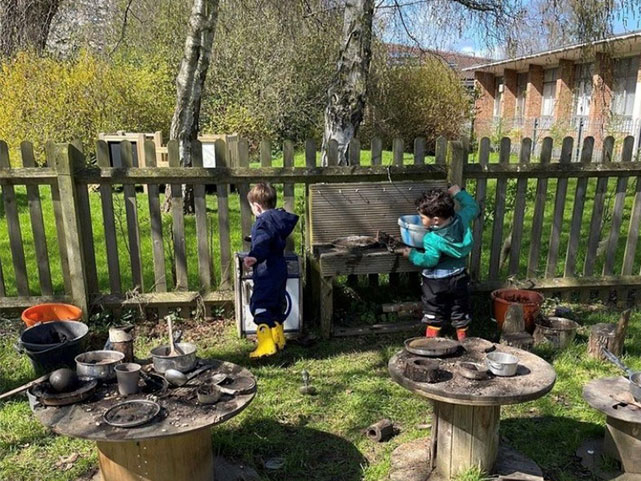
[186, 457]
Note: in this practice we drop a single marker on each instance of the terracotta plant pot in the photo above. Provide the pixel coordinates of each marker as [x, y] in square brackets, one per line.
[530, 300]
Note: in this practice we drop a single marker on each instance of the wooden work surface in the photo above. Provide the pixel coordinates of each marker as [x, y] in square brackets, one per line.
[598, 394]
[334, 262]
[179, 414]
[534, 378]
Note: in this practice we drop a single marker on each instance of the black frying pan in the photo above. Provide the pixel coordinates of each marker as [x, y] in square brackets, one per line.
[633, 376]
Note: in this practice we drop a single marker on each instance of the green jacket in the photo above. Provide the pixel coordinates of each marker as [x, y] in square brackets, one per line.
[447, 247]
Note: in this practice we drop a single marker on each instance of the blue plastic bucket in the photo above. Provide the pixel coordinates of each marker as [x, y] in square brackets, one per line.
[412, 230]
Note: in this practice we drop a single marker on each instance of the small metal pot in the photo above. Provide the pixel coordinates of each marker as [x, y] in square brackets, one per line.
[183, 363]
[502, 363]
[98, 364]
[634, 377]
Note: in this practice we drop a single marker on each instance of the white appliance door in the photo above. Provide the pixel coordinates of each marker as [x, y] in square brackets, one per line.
[292, 321]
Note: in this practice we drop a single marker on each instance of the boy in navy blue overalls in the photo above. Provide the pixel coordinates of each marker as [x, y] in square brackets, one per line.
[268, 236]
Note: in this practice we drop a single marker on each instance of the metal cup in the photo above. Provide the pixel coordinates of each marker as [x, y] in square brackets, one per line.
[128, 374]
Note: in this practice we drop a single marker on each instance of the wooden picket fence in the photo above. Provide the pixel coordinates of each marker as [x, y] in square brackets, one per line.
[503, 188]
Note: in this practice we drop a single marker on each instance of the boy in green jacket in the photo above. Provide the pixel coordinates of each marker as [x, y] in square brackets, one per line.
[447, 243]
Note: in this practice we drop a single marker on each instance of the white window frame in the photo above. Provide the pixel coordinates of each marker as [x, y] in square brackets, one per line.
[549, 92]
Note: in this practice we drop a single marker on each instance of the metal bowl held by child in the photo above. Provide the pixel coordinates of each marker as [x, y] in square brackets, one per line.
[183, 362]
[99, 365]
[412, 230]
[502, 363]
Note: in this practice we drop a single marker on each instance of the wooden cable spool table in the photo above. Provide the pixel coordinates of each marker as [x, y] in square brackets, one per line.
[465, 426]
[622, 425]
[174, 446]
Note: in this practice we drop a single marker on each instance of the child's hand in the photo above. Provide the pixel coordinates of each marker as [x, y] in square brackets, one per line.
[249, 261]
[454, 189]
[404, 251]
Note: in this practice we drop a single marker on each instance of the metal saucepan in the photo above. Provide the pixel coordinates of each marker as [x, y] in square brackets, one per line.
[183, 363]
[633, 376]
[98, 364]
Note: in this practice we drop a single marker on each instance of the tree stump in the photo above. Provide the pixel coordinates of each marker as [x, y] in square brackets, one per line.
[513, 330]
[610, 336]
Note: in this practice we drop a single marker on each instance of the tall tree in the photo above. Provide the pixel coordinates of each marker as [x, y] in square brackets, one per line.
[25, 24]
[347, 94]
[189, 84]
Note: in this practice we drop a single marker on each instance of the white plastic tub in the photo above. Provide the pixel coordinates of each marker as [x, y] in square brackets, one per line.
[412, 231]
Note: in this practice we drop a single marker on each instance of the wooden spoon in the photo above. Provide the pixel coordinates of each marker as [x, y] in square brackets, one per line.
[24, 387]
[173, 350]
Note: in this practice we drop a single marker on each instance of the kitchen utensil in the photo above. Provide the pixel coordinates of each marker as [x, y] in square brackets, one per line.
[24, 387]
[63, 380]
[208, 393]
[472, 370]
[502, 363]
[431, 347]
[128, 375]
[233, 385]
[173, 350]
[48, 397]
[634, 377]
[129, 414]
[98, 364]
[183, 363]
[412, 230]
[177, 378]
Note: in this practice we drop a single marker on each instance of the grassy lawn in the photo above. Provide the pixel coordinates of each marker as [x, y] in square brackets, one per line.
[321, 437]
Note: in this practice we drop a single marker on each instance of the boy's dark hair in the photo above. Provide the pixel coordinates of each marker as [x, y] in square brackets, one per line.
[436, 203]
[263, 194]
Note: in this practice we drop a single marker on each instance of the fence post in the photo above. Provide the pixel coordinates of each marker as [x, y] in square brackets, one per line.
[71, 222]
[456, 160]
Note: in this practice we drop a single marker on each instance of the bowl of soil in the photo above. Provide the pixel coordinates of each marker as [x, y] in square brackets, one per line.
[529, 300]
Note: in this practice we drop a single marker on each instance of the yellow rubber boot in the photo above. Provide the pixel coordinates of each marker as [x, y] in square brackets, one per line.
[278, 334]
[266, 345]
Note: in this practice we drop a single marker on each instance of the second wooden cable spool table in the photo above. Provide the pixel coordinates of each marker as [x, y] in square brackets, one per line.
[175, 446]
[465, 427]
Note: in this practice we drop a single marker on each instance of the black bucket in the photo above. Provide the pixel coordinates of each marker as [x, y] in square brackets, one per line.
[54, 344]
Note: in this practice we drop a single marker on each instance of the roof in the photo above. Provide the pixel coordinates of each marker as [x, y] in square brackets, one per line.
[460, 62]
[621, 45]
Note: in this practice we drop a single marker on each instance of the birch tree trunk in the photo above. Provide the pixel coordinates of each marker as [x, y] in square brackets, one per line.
[189, 88]
[25, 24]
[346, 95]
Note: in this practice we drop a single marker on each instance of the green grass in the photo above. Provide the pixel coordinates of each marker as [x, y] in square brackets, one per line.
[321, 437]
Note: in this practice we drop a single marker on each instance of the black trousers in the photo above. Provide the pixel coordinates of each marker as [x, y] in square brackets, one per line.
[446, 300]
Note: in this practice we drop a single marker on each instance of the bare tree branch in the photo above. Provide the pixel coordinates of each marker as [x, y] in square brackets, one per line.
[124, 28]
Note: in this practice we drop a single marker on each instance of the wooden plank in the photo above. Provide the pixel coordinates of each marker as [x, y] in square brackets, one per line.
[559, 283]
[477, 229]
[242, 158]
[222, 195]
[131, 213]
[20, 303]
[443, 459]
[332, 153]
[555, 170]
[155, 220]
[178, 220]
[108, 219]
[376, 329]
[50, 151]
[37, 224]
[519, 210]
[577, 211]
[354, 152]
[73, 241]
[398, 149]
[372, 262]
[559, 209]
[202, 225]
[485, 436]
[594, 234]
[265, 153]
[310, 161]
[456, 161]
[326, 303]
[419, 150]
[462, 440]
[499, 213]
[167, 299]
[288, 188]
[441, 150]
[633, 237]
[13, 226]
[617, 212]
[539, 211]
[341, 210]
[377, 151]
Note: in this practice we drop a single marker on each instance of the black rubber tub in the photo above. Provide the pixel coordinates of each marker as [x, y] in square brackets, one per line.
[53, 344]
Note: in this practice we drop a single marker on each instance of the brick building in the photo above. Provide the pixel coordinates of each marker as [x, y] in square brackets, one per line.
[587, 89]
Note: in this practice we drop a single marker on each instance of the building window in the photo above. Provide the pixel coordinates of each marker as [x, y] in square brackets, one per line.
[583, 89]
[624, 86]
[549, 92]
[521, 89]
[498, 96]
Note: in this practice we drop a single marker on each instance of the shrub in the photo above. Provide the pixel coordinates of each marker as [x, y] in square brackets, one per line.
[44, 98]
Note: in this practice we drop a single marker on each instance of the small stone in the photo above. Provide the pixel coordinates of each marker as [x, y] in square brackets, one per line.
[97, 423]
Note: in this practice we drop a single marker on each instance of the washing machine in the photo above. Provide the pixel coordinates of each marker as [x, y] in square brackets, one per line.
[243, 285]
